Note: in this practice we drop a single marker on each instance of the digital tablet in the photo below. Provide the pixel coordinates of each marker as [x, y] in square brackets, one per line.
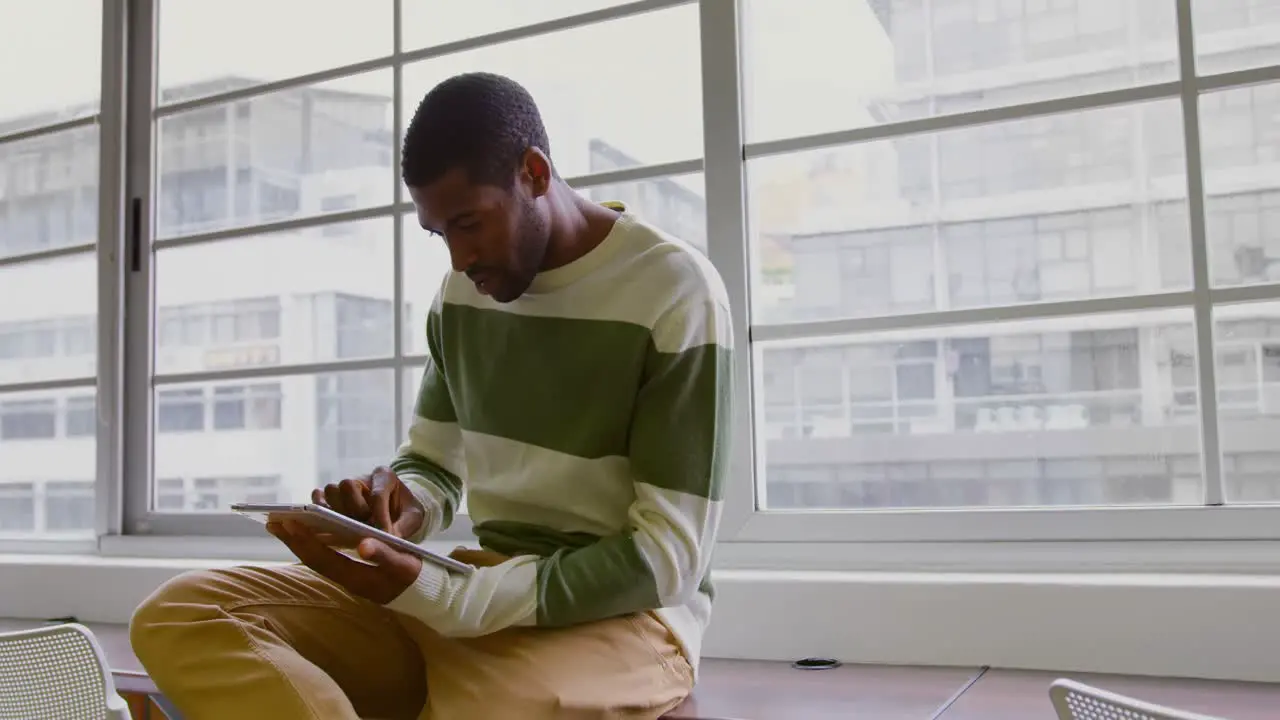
[340, 531]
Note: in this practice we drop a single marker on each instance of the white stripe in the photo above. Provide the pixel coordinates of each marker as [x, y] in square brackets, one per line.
[439, 442]
[511, 480]
[652, 277]
[432, 500]
[484, 602]
[674, 532]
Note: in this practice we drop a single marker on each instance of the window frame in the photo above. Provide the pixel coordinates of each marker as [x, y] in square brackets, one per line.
[129, 222]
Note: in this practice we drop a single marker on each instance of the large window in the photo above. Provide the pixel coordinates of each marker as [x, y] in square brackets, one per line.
[288, 283]
[998, 270]
[990, 281]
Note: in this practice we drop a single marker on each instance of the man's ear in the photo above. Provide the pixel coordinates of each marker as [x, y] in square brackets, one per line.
[536, 171]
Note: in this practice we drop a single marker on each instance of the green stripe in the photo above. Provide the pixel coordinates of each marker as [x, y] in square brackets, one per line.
[593, 389]
[511, 537]
[570, 384]
[607, 579]
[581, 577]
[681, 429]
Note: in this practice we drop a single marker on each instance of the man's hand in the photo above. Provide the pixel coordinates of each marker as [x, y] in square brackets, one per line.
[390, 573]
[378, 499]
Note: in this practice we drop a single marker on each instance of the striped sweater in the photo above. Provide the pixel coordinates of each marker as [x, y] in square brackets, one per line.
[588, 424]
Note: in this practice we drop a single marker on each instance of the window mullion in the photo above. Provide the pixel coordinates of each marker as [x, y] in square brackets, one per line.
[136, 261]
[1210, 450]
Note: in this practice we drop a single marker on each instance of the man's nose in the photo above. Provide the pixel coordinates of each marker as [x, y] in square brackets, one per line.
[462, 256]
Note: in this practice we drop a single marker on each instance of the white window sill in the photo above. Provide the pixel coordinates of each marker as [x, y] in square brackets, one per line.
[782, 603]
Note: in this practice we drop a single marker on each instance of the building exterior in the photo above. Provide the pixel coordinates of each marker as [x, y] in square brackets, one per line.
[315, 295]
[1097, 410]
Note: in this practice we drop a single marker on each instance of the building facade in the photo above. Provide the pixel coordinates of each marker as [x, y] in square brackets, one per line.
[1096, 410]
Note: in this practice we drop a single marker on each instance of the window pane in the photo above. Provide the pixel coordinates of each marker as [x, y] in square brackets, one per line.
[432, 22]
[47, 463]
[67, 53]
[49, 192]
[275, 440]
[278, 156]
[1072, 206]
[840, 64]
[1236, 34]
[426, 260]
[194, 39]
[1240, 134]
[1076, 411]
[43, 333]
[638, 108]
[1247, 344]
[281, 298]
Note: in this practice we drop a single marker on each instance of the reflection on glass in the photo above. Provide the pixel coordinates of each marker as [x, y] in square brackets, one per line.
[194, 38]
[923, 58]
[1247, 346]
[1078, 411]
[268, 439]
[299, 152]
[1072, 206]
[646, 107]
[39, 498]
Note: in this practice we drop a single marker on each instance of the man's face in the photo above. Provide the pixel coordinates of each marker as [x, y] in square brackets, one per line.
[497, 236]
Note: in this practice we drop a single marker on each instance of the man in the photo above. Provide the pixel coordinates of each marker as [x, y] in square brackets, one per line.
[578, 389]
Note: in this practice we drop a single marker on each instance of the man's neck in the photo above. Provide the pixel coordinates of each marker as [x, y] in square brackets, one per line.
[578, 226]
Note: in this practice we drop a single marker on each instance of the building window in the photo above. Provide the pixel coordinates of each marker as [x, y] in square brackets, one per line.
[215, 494]
[17, 507]
[68, 506]
[247, 407]
[180, 410]
[28, 420]
[82, 418]
[32, 340]
[170, 495]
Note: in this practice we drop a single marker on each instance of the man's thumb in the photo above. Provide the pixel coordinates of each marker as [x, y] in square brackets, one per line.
[376, 552]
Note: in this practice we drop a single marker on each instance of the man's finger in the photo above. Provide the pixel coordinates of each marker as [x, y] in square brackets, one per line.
[354, 491]
[382, 483]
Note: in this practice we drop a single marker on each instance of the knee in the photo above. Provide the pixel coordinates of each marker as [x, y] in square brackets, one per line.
[172, 606]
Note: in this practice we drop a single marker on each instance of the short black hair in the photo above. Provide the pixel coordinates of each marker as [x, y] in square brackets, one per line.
[478, 121]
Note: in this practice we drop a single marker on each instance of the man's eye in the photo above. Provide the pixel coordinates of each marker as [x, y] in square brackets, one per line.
[467, 226]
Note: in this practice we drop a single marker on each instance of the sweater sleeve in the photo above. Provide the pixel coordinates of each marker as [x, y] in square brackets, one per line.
[430, 460]
[678, 451]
